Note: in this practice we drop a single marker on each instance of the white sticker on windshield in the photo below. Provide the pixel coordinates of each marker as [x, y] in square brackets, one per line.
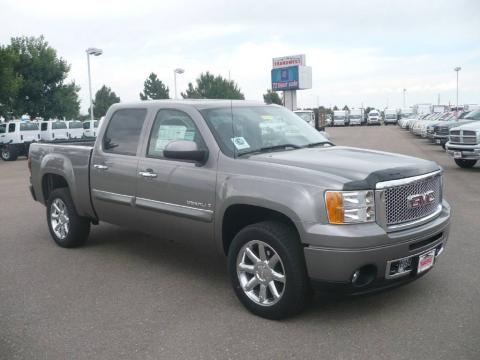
[240, 143]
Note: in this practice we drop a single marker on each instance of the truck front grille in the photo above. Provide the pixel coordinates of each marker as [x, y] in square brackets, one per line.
[398, 203]
[463, 137]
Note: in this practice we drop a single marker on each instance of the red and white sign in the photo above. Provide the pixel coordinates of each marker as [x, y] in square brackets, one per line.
[285, 61]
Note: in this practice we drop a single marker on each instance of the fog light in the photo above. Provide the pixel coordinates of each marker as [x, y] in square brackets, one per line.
[355, 276]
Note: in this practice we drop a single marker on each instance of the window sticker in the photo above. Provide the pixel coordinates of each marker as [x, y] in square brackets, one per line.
[267, 117]
[167, 133]
[240, 143]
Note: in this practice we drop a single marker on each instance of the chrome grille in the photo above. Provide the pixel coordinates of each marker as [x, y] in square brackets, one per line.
[463, 137]
[441, 130]
[397, 205]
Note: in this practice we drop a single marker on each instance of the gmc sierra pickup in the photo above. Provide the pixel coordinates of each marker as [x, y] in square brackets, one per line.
[290, 210]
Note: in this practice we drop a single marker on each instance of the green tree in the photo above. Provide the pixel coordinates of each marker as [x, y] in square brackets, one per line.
[43, 76]
[346, 108]
[335, 108]
[10, 82]
[104, 98]
[271, 97]
[209, 86]
[153, 88]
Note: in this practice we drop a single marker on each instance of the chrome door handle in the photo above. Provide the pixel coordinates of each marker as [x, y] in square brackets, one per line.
[147, 174]
[100, 167]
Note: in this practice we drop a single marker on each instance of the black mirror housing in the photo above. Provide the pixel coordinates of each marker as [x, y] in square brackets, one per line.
[185, 150]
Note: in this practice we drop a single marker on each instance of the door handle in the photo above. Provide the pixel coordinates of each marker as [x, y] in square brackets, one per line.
[100, 167]
[148, 174]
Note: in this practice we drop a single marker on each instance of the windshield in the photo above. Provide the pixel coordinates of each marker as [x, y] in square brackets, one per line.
[95, 124]
[373, 114]
[339, 117]
[354, 116]
[28, 126]
[241, 130]
[390, 116]
[75, 125]
[474, 115]
[59, 125]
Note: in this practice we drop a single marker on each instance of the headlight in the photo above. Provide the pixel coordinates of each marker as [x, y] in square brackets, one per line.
[478, 135]
[350, 207]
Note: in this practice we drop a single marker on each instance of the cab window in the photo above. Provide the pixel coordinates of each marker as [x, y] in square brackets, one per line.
[171, 125]
[44, 127]
[86, 125]
[11, 127]
[123, 131]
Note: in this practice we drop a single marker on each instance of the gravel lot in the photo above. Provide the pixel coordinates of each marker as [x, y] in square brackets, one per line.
[130, 296]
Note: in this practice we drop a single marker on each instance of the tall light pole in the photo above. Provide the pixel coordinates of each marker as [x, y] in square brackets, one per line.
[457, 69]
[95, 52]
[404, 102]
[175, 72]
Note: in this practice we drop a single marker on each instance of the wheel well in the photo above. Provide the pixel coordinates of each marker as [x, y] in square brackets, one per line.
[51, 182]
[236, 217]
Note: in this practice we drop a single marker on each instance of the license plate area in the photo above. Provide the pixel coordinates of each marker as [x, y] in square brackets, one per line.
[415, 264]
[457, 154]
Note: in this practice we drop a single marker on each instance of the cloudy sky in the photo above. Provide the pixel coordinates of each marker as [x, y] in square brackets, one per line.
[360, 51]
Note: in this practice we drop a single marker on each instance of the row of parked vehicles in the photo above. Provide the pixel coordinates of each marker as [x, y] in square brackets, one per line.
[356, 117]
[457, 132]
[16, 136]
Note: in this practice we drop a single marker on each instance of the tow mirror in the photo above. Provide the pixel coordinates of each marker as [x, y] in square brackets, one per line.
[185, 150]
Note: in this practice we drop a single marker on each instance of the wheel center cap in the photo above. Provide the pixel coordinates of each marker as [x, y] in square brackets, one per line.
[263, 272]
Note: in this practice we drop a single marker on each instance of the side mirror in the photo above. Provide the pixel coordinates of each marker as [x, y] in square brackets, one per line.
[185, 150]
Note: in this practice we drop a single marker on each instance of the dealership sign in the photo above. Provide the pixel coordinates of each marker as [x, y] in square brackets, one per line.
[285, 78]
[285, 61]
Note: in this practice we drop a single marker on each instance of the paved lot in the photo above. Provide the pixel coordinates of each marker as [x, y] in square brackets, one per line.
[130, 296]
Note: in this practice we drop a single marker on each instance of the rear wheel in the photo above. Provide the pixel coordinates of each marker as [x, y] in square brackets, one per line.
[9, 153]
[66, 227]
[267, 270]
[466, 164]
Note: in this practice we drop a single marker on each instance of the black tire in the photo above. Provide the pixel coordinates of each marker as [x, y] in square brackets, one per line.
[285, 242]
[443, 146]
[9, 153]
[465, 164]
[79, 227]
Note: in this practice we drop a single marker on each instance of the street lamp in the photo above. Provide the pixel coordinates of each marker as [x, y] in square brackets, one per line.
[175, 72]
[404, 103]
[457, 69]
[95, 52]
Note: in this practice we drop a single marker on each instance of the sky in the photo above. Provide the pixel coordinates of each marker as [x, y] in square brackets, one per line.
[361, 52]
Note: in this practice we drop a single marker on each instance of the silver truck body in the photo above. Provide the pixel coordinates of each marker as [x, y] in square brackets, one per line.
[202, 203]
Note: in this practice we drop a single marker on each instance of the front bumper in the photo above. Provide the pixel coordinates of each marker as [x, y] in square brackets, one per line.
[468, 152]
[358, 246]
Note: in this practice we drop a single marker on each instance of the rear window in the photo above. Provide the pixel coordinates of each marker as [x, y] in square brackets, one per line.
[3, 129]
[59, 125]
[28, 127]
[474, 115]
[123, 131]
[95, 124]
[86, 125]
[75, 125]
[44, 127]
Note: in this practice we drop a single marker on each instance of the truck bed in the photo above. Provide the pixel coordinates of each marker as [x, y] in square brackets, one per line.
[72, 160]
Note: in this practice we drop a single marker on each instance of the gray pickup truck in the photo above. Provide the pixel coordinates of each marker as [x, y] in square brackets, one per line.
[291, 211]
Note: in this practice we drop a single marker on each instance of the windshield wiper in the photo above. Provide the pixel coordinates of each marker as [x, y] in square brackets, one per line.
[318, 144]
[271, 148]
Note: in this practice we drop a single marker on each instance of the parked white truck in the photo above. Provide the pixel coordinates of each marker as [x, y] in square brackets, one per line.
[75, 129]
[374, 117]
[356, 117]
[340, 118]
[307, 115]
[53, 130]
[390, 116]
[16, 137]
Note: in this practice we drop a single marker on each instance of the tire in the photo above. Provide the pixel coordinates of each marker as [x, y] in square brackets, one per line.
[9, 153]
[78, 228]
[443, 146]
[465, 164]
[276, 238]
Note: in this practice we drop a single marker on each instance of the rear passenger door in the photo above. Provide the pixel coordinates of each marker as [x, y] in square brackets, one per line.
[176, 199]
[113, 168]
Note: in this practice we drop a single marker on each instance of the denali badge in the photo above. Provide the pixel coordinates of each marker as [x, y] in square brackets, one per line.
[418, 200]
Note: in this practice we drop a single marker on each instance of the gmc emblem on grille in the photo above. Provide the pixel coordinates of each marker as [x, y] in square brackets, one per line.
[419, 200]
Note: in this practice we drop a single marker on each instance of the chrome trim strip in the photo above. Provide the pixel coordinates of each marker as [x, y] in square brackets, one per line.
[417, 222]
[175, 209]
[113, 197]
[405, 181]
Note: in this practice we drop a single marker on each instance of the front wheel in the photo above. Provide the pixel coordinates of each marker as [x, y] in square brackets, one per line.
[267, 270]
[466, 164]
[67, 228]
[8, 153]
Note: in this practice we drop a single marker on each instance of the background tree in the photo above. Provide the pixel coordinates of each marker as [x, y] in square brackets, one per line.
[153, 88]
[346, 108]
[368, 109]
[43, 76]
[104, 98]
[209, 86]
[335, 108]
[10, 81]
[271, 97]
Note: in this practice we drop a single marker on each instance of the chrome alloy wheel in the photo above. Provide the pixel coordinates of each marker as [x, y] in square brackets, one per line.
[261, 273]
[59, 219]
[5, 154]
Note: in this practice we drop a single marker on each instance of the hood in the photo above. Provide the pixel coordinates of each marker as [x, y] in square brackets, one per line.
[360, 168]
[471, 125]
